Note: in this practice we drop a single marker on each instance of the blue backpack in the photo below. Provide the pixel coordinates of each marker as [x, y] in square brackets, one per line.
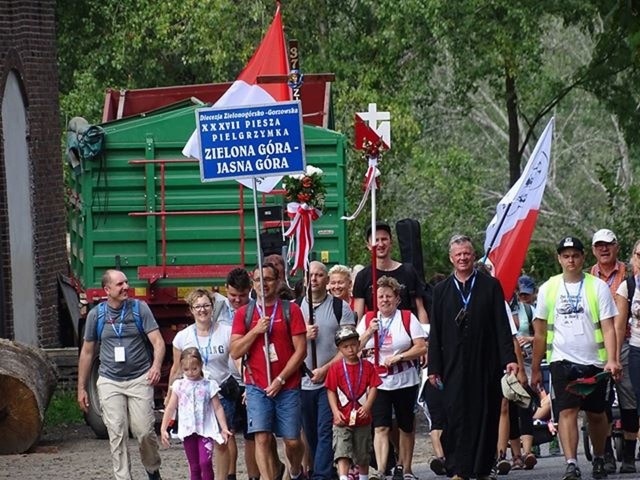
[135, 308]
[102, 314]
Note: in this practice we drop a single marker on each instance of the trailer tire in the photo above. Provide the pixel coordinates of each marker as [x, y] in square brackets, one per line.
[94, 416]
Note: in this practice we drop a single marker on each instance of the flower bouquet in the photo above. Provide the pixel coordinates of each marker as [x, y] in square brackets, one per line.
[305, 194]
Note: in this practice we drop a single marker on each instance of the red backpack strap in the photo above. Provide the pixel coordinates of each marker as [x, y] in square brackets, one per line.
[406, 321]
[367, 319]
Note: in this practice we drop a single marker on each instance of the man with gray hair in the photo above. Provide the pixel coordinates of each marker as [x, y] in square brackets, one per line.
[329, 313]
[470, 344]
[608, 268]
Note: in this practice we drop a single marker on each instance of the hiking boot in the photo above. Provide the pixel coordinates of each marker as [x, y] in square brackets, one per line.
[503, 466]
[437, 466]
[517, 463]
[599, 471]
[628, 467]
[398, 473]
[530, 461]
[609, 462]
[572, 472]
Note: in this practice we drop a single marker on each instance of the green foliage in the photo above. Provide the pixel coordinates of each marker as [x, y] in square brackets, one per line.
[440, 67]
[63, 409]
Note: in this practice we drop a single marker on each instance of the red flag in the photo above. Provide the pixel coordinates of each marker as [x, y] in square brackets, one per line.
[509, 233]
[269, 59]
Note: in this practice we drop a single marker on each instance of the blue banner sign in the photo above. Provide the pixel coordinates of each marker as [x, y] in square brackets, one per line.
[250, 141]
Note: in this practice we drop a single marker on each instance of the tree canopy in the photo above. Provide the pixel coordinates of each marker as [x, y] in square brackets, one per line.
[470, 86]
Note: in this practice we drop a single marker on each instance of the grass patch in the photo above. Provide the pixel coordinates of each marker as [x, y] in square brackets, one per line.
[63, 409]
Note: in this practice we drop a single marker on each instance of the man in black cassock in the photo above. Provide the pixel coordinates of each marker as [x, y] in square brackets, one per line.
[470, 345]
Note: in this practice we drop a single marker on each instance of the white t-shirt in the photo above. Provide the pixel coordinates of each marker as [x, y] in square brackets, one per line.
[195, 410]
[227, 312]
[395, 342]
[214, 349]
[574, 331]
[634, 321]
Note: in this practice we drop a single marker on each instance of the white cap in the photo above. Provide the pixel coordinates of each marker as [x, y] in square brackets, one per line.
[604, 235]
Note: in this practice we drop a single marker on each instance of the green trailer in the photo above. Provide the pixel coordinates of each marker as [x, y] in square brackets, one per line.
[140, 207]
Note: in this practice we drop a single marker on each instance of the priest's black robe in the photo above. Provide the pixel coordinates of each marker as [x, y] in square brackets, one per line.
[470, 359]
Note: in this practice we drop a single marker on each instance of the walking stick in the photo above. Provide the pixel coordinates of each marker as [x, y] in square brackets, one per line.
[314, 355]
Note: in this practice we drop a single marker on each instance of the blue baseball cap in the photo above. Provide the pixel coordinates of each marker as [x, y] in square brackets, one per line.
[526, 285]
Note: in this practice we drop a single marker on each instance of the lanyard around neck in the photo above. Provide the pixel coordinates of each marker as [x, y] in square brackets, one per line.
[113, 323]
[466, 299]
[205, 352]
[272, 317]
[352, 392]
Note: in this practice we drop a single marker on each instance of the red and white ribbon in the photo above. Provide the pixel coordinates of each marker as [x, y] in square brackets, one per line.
[369, 183]
[301, 230]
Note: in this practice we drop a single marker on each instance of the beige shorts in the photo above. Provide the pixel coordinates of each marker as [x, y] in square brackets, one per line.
[353, 443]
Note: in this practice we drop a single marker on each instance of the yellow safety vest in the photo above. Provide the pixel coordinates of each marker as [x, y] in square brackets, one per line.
[551, 297]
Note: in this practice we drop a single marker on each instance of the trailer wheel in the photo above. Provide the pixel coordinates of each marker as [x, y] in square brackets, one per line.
[94, 416]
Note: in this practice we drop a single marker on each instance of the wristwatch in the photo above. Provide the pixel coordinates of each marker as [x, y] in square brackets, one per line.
[281, 380]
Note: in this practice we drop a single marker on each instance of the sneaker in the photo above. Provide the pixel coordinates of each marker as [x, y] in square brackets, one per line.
[376, 475]
[503, 466]
[599, 471]
[530, 461]
[609, 462]
[517, 463]
[154, 475]
[398, 473]
[554, 447]
[437, 466]
[628, 467]
[572, 472]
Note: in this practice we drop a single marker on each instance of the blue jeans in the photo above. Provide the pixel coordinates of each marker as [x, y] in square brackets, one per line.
[317, 423]
[634, 372]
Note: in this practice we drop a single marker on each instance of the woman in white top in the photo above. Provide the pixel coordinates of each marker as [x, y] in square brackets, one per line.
[401, 341]
[212, 339]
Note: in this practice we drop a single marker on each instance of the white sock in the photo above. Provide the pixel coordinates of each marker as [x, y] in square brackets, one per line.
[363, 477]
[573, 460]
[344, 477]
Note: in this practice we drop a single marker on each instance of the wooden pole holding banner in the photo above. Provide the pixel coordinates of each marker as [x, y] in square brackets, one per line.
[374, 271]
[314, 354]
[259, 254]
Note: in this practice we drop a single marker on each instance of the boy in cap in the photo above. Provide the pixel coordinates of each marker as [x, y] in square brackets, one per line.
[351, 387]
[574, 325]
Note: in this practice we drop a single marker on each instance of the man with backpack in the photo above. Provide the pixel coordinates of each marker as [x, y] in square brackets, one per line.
[328, 314]
[272, 370]
[411, 297]
[608, 268]
[131, 351]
